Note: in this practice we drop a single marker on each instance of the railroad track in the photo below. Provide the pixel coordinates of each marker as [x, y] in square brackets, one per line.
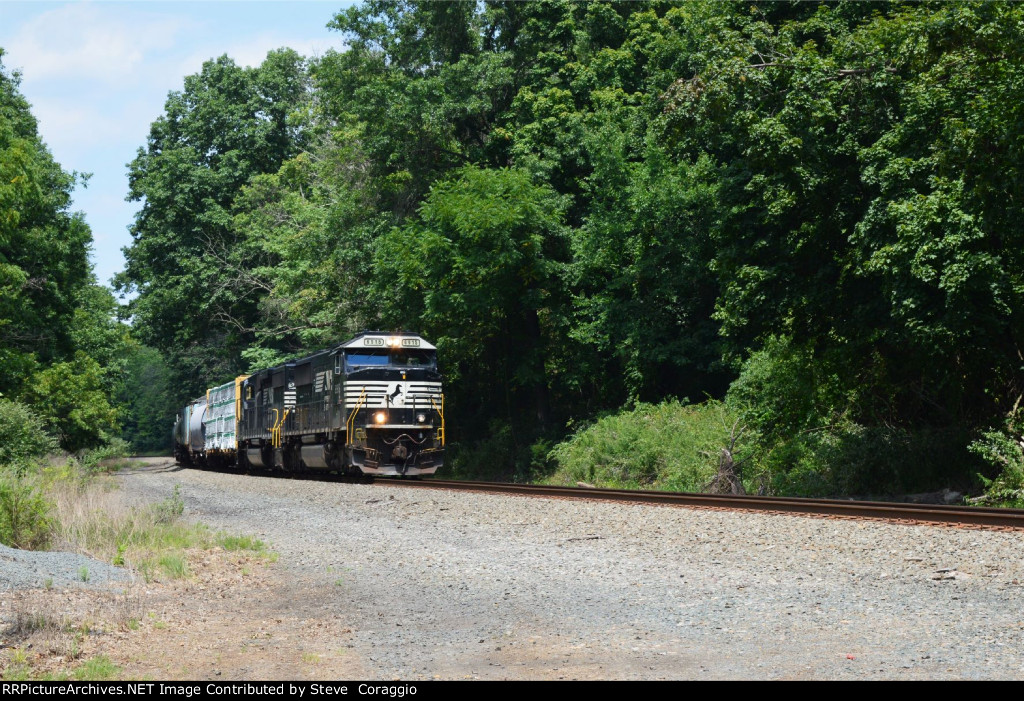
[931, 514]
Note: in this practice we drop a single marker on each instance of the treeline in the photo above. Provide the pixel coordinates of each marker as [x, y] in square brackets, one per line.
[68, 367]
[812, 211]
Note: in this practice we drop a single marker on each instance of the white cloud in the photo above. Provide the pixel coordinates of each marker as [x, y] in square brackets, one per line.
[90, 42]
[66, 121]
[79, 132]
[97, 74]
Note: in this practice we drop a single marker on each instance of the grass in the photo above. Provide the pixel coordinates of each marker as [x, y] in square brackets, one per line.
[17, 669]
[65, 505]
[173, 565]
[78, 508]
[234, 543]
[153, 539]
[98, 668]
[45, 634]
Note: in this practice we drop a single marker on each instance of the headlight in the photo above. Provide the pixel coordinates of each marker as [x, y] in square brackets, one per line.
[422, 418]
[380, 417]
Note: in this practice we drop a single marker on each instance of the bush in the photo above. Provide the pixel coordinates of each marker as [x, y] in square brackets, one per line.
[75, 405]
[499, 457]
[23, 434]
[672, 446]
[108, 456]
[1003, 451]
[24, 514]
[813, 440]
[847, 459]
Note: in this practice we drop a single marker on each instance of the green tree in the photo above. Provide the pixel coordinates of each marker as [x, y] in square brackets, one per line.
[479, 271]
[866, 171]
[227, 125]
[147, 404]
[73, 401]
[61, 346]
[44, 266]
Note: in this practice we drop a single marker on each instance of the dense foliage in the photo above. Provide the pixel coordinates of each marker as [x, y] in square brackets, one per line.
[187, 263]
[61, 346]
[668, 446]
[594, 204]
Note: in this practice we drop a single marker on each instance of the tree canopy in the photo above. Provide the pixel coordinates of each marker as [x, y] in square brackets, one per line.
[810, 209]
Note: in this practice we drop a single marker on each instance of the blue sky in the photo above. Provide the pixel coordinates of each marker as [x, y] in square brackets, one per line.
[97, 75]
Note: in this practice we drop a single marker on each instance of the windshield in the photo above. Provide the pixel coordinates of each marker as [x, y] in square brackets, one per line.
[399, 357]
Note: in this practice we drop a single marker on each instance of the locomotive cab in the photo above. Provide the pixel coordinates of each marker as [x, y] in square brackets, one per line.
[393, 395]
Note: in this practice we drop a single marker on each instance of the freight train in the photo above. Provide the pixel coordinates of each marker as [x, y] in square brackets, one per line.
[372, 405]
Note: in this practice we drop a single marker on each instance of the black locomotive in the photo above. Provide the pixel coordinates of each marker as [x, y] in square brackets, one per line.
[372, 405]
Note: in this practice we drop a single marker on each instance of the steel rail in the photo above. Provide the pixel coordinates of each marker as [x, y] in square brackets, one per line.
[976, 516]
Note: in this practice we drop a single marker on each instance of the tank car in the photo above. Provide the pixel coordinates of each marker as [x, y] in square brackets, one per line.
[190, 433]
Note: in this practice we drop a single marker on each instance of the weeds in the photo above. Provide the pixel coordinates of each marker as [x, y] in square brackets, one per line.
[234, 543]
[127, 609]
[58, 636]
[94, 519]
[17, 668]
[68, 506]
[174, 566]
[107, 458]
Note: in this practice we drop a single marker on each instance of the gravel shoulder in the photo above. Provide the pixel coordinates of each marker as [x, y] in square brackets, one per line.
[454, 585]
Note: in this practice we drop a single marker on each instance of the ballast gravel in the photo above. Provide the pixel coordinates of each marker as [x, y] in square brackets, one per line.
[22, 569]
[453, 585]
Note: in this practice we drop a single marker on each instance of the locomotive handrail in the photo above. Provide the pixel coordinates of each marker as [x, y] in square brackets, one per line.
[275, 431]
[440, 412]
[351, 423]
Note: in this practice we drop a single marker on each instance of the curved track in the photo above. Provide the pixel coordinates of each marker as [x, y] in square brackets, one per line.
[961, 516]
[907, 513]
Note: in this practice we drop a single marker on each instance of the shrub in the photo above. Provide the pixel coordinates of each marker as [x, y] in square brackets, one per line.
[849, 459]
[74, 403]
[1002, 450]
[24, 434]
[814, 439]
[671, 446]
[108, 456]
[498, 457]
[24, 514]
